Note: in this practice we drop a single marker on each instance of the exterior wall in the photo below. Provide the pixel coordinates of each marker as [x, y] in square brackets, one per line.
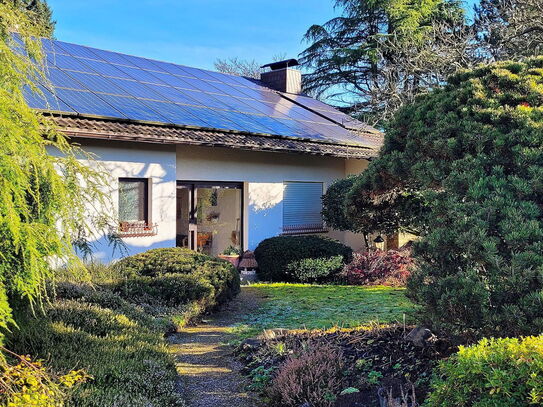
[263, 175]
[154, 162]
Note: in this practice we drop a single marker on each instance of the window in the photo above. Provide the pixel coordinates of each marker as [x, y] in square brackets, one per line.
[134, 207]
[302, 206]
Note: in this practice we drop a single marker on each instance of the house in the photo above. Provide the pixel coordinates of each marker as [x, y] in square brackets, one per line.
[202, 159]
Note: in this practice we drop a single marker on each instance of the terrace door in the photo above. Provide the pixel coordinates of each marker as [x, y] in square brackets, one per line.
[210, 216]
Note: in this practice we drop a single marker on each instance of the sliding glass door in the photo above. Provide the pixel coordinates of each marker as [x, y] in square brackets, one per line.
[210, 216]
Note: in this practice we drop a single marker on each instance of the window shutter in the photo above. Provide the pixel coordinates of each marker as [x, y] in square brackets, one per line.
[302, 206]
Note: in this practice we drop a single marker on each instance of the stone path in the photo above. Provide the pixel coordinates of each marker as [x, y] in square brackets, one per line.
[210, 375]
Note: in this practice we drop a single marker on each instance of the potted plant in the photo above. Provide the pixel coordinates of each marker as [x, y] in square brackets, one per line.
[231, 254]
[213, 217]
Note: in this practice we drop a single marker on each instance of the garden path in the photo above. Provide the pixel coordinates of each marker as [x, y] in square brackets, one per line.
[210, 374]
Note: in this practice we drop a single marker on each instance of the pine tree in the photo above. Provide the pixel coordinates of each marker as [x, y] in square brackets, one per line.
[470, 158]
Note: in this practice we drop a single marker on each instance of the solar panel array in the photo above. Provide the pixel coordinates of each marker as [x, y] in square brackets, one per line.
[94, 82]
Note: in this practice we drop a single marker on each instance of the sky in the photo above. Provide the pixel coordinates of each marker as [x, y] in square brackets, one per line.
[191, 32]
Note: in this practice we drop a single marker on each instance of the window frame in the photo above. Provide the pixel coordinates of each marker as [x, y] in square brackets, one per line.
[140, 227]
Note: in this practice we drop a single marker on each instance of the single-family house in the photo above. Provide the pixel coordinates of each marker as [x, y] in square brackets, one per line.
[202, 159]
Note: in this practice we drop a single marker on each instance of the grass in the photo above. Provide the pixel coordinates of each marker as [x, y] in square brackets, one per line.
[304, 306]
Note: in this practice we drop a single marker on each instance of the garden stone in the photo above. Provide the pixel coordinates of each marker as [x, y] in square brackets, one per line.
[250, 344]
[421, 336]
[269, 334]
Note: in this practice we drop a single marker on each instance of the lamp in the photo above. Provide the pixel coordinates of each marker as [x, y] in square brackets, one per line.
[378, 239]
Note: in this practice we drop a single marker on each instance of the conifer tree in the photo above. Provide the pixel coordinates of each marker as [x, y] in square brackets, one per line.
[467, 160]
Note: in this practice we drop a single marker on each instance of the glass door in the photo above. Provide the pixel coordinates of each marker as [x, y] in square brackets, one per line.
[210, 217]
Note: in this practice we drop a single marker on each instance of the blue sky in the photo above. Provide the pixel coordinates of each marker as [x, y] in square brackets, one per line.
[191, 32]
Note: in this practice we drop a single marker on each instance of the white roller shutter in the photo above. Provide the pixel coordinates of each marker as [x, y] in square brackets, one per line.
[302, 206]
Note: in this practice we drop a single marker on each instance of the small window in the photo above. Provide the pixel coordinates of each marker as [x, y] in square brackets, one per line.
[134, 217]
[302, 207]
[133, 200]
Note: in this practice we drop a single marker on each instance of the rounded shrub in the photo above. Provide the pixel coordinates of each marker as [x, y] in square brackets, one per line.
[276, 256]
[177, 275]
[161, 261]
[494, 372]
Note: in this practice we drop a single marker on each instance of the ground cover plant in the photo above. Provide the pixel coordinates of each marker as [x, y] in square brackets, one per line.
[304, 306]
[493, 372]
[277, 257]
[112, 324]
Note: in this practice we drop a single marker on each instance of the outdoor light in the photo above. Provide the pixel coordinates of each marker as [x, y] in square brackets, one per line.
[378, 239]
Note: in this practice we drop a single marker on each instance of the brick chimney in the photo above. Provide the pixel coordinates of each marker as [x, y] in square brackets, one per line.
[282, 77]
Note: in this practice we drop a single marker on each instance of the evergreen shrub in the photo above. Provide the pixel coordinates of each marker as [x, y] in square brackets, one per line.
[315, 270]
[276, 254]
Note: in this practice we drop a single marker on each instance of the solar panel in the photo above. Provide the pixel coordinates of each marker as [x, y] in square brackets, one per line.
[88, 103]
[104, 83]
[43, 99]
[66, 62]
[97, 83]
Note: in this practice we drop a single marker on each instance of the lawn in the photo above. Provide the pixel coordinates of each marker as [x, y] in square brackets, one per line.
[303, 306]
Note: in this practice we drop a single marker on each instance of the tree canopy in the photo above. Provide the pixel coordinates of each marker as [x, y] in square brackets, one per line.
[379, 54]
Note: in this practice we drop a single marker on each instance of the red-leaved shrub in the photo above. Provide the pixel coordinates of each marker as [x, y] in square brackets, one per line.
[377, 267]
[314, 376]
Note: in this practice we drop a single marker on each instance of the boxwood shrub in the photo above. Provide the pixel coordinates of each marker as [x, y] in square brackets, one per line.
[494, 372]
[177, 275]
[277, 254]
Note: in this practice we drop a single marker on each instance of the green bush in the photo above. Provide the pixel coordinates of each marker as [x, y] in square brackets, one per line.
[494, 372]
[274, 255]
[180, 262]
[162, 261]
[315, 270]
[128, 360]
[168, 290]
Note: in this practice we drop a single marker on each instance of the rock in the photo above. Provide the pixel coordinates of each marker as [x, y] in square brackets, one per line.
[250, 344]
[421, 337]
[276, 333]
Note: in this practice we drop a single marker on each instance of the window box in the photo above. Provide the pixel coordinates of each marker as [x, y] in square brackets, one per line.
[137, 228]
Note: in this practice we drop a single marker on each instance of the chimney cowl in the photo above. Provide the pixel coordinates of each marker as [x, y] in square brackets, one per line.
[287, 63]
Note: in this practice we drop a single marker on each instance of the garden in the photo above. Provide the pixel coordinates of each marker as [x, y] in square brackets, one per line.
[452, 320]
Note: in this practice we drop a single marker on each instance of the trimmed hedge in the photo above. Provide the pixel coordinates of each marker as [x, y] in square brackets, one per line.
[494, 372]
[162, 261]
[275, 255]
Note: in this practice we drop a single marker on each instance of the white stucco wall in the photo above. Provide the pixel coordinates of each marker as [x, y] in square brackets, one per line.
[157, 164]
[263, 175]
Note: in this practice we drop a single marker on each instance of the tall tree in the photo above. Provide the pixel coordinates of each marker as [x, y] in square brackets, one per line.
[509, 29]
[378, 55]
[237, 66]
[249, 68]
[38, 13]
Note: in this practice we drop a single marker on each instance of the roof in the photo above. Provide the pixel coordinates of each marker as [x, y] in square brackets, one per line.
[102, 90]
[165, 134]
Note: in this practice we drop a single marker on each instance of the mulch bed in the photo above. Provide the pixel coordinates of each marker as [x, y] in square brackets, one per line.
[378, 358]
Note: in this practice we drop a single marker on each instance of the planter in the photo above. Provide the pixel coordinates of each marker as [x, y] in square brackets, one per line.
[234, 259]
